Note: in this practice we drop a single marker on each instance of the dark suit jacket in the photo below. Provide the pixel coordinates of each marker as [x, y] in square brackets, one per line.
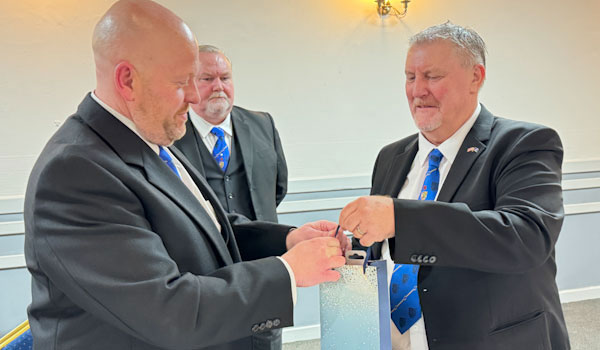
[486, 246]
[264, 162]
[123, 256]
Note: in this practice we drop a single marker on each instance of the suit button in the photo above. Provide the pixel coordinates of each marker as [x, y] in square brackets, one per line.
[425, 290]
[426, 259]
[276, 322]
[262, 326]
[420, 259]
[230, 196]
[255, 328]
[432, 259]
[413, 258]
[269, 324]
[227, 178]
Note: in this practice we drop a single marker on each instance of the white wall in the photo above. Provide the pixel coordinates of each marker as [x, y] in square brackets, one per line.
[330, 72]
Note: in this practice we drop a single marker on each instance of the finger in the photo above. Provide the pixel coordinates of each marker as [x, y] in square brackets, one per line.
[333, 232]
[331, 276]
[349, 209]
[343, 239]
[337, 261]
[333, 251]
[332, 242]
[326, 225]
[366, 241]
[314, 233]
[351, 222]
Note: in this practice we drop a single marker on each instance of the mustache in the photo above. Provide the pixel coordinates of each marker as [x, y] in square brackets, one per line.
[218, 94]
[417, 102]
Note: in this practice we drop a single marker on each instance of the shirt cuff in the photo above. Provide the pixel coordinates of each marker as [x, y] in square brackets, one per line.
[292, 279]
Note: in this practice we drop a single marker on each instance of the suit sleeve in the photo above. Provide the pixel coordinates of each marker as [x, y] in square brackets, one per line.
[282, 171]
[259, 239]
[519, 230]
[93, 242]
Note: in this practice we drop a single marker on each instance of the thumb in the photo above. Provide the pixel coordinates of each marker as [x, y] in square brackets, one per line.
[331, 276]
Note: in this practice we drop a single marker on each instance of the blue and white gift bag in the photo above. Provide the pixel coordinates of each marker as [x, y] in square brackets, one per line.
[355, 310]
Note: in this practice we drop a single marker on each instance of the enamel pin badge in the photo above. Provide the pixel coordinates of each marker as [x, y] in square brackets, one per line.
[472, 150]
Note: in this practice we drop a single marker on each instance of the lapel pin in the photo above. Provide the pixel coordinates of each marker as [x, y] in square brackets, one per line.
[472, 149]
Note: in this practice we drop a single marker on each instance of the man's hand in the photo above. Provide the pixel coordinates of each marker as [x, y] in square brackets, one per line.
[321, 228]
[313, 260]
[370, 218]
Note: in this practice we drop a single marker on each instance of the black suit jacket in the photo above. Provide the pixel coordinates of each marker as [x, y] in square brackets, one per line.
[262, 154]
[486, 246]
[123, 256]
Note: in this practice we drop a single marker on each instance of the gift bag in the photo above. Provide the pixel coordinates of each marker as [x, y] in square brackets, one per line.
[355, 310]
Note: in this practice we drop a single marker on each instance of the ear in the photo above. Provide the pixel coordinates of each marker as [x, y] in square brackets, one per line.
[124, 76]
[478, 77]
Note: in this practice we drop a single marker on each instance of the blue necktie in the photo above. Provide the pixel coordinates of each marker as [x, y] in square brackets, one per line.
[404, 297]
[168, 160]
[220, 151]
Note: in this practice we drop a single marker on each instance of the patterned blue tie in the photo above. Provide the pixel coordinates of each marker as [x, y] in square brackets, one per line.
[404, 297]
[220, 151]
[167, 159]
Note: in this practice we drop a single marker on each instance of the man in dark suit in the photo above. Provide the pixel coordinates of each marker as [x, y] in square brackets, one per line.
[127, 245]
[254, 179]
[485, 245]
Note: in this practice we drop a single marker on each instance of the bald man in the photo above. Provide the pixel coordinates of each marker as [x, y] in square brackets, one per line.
[127, 246]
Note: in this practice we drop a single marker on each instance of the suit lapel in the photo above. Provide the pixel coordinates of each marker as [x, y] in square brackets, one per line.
[227, 233]
[190, 145]
[136, 153]
[165, 180]
[396, 175]
[475, 140]
[244, 137]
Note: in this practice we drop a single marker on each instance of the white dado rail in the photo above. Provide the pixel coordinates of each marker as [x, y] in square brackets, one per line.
[332, 193]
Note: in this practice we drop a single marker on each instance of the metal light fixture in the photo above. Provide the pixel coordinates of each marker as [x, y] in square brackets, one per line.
[384, 8]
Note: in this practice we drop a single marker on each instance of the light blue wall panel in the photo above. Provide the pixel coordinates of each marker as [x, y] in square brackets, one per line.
[576, 252]
[15, 296]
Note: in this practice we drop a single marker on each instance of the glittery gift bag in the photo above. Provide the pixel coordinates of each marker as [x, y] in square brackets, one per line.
[355, 310]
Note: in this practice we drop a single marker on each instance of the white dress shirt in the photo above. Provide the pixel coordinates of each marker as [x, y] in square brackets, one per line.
[416, 337]
[203, 127]
[187, 179]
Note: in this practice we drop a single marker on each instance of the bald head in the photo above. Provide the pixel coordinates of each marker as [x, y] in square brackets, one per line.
[137, 31]
[146, 62]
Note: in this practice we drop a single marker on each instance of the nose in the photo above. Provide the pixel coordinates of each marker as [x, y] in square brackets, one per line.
[419, 87]
[191, 93]
[217, 84]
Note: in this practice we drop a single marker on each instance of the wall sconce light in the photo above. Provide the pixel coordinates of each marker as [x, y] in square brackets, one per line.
[384, 8]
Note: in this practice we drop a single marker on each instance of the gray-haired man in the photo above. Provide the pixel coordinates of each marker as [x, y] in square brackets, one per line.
[479, 219]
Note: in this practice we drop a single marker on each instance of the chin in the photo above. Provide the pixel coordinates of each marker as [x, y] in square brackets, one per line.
[427, 124]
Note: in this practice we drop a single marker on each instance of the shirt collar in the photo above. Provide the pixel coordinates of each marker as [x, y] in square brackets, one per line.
[205, 127]
[123, 119]
[450, 147]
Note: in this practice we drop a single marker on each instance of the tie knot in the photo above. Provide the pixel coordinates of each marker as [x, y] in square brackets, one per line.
[164, 155]
[435, 157]
[217, 131]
